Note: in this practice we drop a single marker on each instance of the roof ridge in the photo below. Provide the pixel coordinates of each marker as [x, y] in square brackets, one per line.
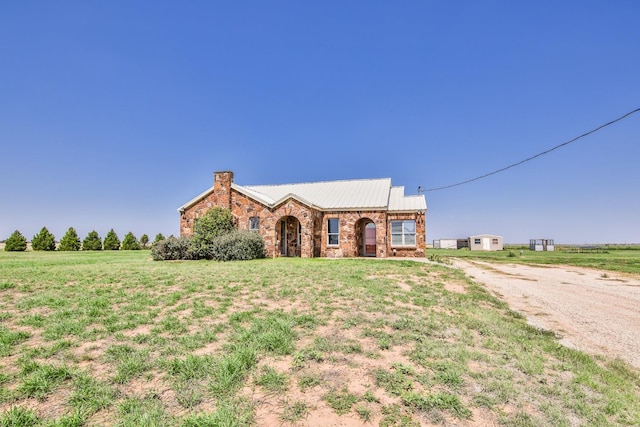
[319, 182]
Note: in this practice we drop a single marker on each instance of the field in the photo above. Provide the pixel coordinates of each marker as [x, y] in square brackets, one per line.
[117, 339]
[624, 260]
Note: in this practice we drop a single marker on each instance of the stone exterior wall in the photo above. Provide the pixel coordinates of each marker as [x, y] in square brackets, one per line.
[421, 239]
[312, 241]
[350, 229]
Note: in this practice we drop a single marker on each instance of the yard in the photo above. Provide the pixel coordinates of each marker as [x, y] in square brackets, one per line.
[114, 338]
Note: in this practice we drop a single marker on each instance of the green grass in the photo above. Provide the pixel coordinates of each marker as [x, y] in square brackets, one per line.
[613, 259]
[114, 338]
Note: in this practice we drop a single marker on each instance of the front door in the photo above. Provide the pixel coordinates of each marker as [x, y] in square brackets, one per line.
[370, 239]
[289, 236]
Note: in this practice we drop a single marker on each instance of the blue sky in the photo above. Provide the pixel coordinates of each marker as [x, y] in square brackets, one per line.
[114, 114]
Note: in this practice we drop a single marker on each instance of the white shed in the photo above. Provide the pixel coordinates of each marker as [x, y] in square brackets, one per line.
[445, 244]
[486, 242]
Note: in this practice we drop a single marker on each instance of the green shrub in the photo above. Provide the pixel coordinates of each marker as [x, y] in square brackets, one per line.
[144, 241]
[70, 241]
[158, 238]
[111, 242]
[173, 248]
[130, 242]
[43, 241]
[92, 242]
[16, 242]
[237, 245]
[216, 222]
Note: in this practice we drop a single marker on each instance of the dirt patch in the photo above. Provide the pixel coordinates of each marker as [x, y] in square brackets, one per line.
[593, 311]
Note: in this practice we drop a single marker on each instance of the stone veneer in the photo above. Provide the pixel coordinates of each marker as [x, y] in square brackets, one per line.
[312, 241]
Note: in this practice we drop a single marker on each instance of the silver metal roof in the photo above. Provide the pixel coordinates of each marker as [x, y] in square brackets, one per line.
[363, 194]
[399, 202]
[360, 194]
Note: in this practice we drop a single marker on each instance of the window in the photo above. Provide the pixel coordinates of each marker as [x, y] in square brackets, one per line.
[254, 224]
[333, 235]
[476, 241]
[494, 241]
[403, 233]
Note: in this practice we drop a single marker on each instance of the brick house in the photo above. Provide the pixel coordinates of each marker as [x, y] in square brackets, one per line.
[347, 218]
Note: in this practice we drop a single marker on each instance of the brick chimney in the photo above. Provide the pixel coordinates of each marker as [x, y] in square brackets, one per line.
[222, 187]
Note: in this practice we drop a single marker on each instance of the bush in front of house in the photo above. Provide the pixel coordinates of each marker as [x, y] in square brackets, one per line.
[172, 248]
[70, 241]
[43, 241]
[16, 242]
[237, 245]
[216, 222]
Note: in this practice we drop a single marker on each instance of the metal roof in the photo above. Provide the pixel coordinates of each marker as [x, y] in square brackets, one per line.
[399, 202]
[363, 194]
[360, 194]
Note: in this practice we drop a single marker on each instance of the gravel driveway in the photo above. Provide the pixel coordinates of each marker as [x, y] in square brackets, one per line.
[593, 311]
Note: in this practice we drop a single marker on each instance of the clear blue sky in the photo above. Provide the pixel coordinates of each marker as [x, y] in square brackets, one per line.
[115, 113]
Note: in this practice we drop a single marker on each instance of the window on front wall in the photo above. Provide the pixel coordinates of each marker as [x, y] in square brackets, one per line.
[476, 241]
[333, 235]
[494, 241]
[254, 224]
[403, 233]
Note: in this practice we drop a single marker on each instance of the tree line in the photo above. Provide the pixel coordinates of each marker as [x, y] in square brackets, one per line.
[46, 241]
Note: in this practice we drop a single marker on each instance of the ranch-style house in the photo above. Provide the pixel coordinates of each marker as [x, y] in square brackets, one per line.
[349, 218]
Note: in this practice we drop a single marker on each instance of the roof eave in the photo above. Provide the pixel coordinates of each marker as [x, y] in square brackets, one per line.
[195, 200]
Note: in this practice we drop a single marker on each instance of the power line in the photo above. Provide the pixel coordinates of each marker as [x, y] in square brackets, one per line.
[536, 156]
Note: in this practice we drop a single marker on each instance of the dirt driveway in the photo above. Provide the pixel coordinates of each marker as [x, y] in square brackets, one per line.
[593, 311]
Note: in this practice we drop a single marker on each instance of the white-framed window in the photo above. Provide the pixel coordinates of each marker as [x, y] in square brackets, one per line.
[403, 233]
[494, 241]
[476, 241]
[333, 231]
[254, 224]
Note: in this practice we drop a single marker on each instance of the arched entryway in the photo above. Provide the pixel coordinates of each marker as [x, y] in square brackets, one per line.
[289, 236]
[366, 237]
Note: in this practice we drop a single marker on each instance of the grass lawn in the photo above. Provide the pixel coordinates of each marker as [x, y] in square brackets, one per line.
[114, 338]
[621, 260]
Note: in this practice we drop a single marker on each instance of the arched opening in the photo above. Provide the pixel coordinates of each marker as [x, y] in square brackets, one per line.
[366, 237]
[289, 236]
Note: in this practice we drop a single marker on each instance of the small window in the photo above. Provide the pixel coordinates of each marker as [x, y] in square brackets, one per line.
[333, 235]
[476, 241]
[254, 224]
[494, 241]
[403, 233]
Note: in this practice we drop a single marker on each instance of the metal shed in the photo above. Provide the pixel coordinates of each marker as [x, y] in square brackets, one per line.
[542, 245]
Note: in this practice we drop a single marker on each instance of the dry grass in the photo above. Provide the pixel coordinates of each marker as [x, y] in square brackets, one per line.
[116, 339]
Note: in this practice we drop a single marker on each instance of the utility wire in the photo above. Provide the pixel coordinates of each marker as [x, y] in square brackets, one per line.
[536, 156]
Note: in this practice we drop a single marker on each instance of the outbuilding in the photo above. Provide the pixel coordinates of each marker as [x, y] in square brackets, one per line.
[486, 242]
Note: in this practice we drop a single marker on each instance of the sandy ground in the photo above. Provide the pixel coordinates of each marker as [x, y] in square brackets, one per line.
[594, 311]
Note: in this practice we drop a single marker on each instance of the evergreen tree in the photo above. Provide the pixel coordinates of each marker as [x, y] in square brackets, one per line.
[130, 243]
[70, 241]
[92, 242]
[158, 238]
[144, 240]
[43, 241]
[111, 242]
[16, 242]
